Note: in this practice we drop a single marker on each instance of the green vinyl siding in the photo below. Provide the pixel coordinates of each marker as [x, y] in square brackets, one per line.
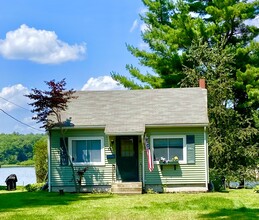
[95, 175]
[192, 172]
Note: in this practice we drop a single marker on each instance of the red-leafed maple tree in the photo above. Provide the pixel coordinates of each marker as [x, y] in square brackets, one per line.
[48, 106]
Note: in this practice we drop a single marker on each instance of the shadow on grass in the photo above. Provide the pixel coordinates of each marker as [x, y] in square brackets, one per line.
[16, 200]
[241, 213]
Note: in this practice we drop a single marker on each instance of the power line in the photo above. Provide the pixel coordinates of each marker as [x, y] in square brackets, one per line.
[20, 121]
[15, 104]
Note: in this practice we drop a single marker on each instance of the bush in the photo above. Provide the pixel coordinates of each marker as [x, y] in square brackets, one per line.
[151, 191]
[40, 156]
[217, 181]
[256, 189]
[34, 187]
[27, 163]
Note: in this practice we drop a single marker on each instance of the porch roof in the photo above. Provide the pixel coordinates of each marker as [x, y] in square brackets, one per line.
[124, 129]
[129, 111]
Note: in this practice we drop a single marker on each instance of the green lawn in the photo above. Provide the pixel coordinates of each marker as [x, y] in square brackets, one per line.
[235, 204]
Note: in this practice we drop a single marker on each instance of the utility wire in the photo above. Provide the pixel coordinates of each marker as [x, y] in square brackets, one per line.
[20, 121]
[15, 104]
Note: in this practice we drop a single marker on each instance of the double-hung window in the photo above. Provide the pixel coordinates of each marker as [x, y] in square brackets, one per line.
[86, 150]
[167, 147]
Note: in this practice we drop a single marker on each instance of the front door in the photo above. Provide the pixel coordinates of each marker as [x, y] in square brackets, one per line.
[127, 158]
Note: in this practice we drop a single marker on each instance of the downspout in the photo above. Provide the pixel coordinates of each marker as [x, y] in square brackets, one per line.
[206, 157]
[49, 162]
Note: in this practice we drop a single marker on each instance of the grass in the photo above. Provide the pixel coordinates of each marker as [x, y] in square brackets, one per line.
[234, 204]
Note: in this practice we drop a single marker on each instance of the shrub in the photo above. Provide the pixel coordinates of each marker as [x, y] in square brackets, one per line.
[217, 181]
[34, 187]
[151, 191]
[40, 156]
[27, 163]
[256, 189]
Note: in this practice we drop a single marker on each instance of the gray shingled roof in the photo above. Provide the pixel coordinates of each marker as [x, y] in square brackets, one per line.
[130, 111]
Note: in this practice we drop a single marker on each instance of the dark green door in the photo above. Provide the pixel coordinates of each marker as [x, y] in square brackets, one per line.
[127, 158]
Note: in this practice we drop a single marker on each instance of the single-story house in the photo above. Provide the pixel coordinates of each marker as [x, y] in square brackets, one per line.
[156, 138]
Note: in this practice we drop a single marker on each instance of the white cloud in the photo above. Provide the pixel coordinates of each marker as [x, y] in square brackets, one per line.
[143, 11]
[254, 22]
[143, 46]
[143, 27]
[194, 14]
[28, 120]
[102, 83]
[15, 96]
[33, 126]
[23, 129]
[39, 46]
[134, 26]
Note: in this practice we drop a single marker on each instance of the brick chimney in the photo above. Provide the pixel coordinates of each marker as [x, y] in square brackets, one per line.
[202, 83]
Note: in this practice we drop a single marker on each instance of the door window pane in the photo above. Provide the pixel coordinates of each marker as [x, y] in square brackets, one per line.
[127, 148]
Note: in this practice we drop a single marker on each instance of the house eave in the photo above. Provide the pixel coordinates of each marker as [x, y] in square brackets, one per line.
[137, 132]
[177, 125]
[81, 127]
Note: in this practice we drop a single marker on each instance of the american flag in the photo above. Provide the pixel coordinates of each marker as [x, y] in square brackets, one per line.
[149, 155]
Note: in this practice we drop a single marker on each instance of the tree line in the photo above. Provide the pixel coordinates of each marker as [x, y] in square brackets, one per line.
[18, 148]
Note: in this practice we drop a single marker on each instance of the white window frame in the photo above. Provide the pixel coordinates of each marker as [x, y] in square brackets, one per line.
[70, 139]
[184, 161]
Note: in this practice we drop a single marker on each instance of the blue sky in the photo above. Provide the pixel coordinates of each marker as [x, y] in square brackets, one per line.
[81, 40]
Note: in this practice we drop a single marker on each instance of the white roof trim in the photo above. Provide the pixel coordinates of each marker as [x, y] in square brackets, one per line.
[175, 125]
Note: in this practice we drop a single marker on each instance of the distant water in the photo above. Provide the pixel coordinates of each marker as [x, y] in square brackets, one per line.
[25, 175]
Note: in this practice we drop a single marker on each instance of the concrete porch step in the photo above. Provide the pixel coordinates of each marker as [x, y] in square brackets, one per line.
[127, 188]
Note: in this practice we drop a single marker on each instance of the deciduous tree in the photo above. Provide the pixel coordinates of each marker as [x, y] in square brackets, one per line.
[233, 150]
[48, 106]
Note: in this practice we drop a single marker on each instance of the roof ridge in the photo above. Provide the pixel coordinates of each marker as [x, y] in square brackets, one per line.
[138, 90]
